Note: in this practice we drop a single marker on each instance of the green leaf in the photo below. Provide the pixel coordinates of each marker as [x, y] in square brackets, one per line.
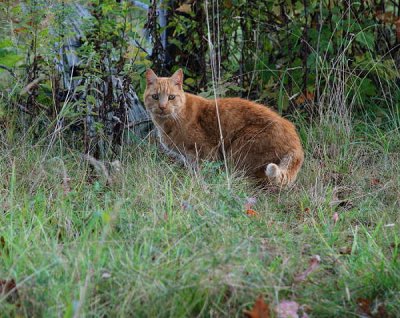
[5, 43]
[366, 39]
[90, 99]
[190, 81]
[367, 88]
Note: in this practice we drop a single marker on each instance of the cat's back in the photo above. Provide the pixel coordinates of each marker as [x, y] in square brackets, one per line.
[231, 105]
[237, 114]
[240, 111]
[247, 108]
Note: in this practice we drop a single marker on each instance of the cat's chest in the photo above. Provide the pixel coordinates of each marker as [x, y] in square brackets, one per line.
[171, 137]
[172, 143]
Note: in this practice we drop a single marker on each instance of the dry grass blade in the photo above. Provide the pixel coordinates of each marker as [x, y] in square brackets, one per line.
[313, 265]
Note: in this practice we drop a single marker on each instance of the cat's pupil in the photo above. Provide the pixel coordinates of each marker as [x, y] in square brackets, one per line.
[171, 97]
[155, 96]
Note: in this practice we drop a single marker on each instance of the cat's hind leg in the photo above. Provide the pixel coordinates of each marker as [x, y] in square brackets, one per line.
[285, 173]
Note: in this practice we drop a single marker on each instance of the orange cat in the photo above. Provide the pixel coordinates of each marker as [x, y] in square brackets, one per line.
[256, 139]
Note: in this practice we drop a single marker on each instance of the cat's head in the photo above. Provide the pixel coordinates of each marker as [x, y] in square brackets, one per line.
[164, 96]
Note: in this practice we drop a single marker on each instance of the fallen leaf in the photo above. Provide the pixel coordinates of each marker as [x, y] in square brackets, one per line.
[345, 250]
[375, 181]
[381, 311]
[313, 265]
[250, 202]
[303, 98]
[2, 242]
[3, 246]
[290, 309]
[364, 306]
[251, 212]
[307, 210]
[19, 30]
[287, 309]
[8, 287]
[371, 309]
[259, 310]
[106, 275]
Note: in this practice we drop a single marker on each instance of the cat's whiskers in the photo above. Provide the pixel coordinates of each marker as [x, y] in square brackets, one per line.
[177, 119]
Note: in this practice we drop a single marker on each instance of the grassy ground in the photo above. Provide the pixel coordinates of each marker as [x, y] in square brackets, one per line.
[164, 242]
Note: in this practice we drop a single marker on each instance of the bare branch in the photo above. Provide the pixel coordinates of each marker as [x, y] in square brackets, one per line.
[8, 69]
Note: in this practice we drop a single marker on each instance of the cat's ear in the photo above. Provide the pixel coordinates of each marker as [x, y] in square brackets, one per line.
[151, 77]
[177, 78]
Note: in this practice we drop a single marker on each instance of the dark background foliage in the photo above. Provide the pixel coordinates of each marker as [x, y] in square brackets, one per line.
[283, 51]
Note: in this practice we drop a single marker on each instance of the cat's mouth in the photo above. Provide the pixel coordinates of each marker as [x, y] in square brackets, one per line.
[162, 114]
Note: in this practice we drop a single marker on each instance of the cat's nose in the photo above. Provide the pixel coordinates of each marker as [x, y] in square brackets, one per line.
[162, 106]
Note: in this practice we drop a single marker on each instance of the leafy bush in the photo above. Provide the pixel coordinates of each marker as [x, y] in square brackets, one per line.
[289, 52]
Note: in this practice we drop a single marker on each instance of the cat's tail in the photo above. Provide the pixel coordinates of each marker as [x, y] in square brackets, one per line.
[285, 173]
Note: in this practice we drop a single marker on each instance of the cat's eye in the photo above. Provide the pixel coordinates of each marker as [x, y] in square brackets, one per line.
[155, 96]
[171, 97]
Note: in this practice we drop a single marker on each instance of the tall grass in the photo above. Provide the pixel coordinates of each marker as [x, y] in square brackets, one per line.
[165, 242]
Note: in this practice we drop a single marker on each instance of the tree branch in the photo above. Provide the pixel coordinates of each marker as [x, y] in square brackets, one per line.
[8, 70]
